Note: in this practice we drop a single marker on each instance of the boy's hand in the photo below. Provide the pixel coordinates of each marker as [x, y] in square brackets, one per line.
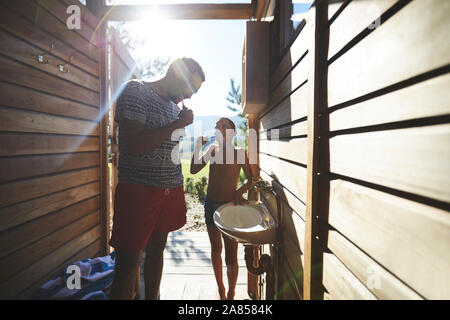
[201, 140]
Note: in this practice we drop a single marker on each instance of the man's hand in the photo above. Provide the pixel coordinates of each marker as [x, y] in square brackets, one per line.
[185, 118]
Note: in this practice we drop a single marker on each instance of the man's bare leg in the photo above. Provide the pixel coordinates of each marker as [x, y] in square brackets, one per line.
[231, 250]
[125, 272]
[216, 251]
[153, 267]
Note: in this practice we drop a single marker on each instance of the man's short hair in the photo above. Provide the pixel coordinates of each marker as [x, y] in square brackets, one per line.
[187, 67]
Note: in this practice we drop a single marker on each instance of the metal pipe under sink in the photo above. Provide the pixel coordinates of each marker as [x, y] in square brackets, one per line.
[265, 263]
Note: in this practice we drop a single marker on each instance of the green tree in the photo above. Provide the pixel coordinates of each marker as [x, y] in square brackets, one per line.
[234, 96]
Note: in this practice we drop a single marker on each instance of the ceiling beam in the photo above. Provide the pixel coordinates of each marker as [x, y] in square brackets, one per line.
[261, 8]
[180, 11]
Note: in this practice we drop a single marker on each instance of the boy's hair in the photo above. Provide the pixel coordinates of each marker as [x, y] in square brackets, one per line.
[186, 66]
[231, 123]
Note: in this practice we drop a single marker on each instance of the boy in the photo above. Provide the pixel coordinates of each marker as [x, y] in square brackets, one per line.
[225, 166]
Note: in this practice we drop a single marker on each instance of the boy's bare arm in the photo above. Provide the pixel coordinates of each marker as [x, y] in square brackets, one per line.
[199, 162]
[248, 183]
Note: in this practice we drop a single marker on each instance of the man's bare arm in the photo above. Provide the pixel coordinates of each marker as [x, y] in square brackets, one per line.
[199, 162]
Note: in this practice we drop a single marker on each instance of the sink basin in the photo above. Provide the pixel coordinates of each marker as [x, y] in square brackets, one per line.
[248, 224]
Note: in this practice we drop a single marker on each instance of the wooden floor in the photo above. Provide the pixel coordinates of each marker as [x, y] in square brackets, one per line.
[188, 272]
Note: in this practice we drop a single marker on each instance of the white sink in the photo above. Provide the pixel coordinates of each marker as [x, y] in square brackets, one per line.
[249, 224]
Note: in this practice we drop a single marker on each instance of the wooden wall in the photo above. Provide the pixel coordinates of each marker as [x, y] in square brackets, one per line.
[51, 156]
[283, 161]
[363, 158]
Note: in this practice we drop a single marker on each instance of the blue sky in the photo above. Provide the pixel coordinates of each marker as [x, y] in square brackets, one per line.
[215, 44]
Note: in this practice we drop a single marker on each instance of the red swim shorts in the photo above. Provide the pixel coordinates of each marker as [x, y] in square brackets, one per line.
[140, 211]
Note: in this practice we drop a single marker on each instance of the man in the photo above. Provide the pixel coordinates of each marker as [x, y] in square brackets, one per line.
[149, 199]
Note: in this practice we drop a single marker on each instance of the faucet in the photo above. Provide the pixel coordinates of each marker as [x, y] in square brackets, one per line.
[259, 185]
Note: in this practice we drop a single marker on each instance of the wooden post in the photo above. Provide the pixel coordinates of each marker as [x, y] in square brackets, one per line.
[103, 120]
[253, 282]
[316, 208]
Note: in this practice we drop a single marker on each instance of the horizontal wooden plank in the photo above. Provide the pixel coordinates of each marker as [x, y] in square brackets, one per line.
[14, 120]
[22, 51]
[186, 271]
[38, 187]
[293, 256]
[294, 130]
[413, 160]
[356, 16]
[293, 226]
[24, 29]
[179, 252]
[16, 168]
[26, 211]
[20, 74]
[24, 257]
[297, 50]
[425, 99]
[296, 77]
[333, 7]
[41, 268]
[290, 202]
[289, 284]
[295, 149]
[378, 280]
[86, 15]
[43, 19]
[291, 109]
[209, 11]
[12, 95]
[391, 53]
[60, 12]
[27, 144]
[289, 175]
[405, 237]
[89, 251]
[16, 238]
[341, 283]
[195, 262]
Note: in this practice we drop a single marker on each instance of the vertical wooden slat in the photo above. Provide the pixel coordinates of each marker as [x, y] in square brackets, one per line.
[315, 209]
[254, 282]
[104, 108]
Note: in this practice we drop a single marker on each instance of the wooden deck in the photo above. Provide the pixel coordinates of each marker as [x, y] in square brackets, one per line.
[188, 272]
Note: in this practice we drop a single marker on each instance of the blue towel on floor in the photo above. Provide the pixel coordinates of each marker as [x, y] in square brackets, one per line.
[96, 275]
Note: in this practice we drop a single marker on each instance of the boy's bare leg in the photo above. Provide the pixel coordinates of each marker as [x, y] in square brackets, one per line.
[125, 272]
[153, 266]
[231, 251]
[216, 251]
